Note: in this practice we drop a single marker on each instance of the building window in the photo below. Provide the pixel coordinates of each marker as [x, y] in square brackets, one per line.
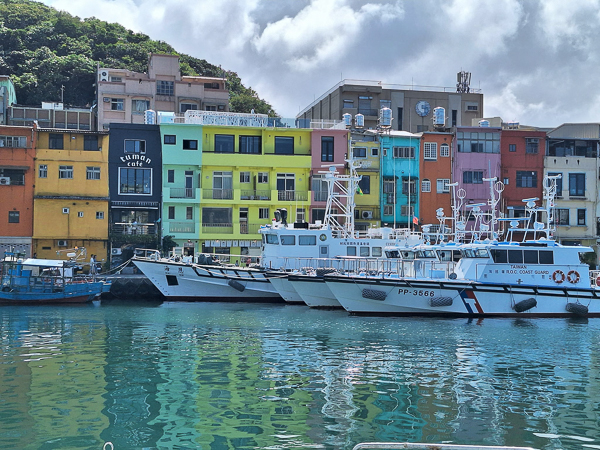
[170, 176]
[374, 151]
[135, 181]
[478, 142]
[56, 141]
[430, 150]
[532, 145]
[300, 215]
[100, 215]
[388, 210]
[92, 173]
[404, 152]
[263, 177]
[170, 139]
[454, 117]
[347, 103]
[90, 142]
[189, 212]
[284, 145]
[406, 210]
[135, 146]
[183, 107]
[65, 172]
[164, 87]
[444, 150]
[562, 216]
[171, 213]
[359, 152]
[577, 184]
[117, 104]
[559, 183]
[250, 144]
[512, 147]
[14, 216]
[472, 177]
[581, 217]
[244, 177]
[389, 186]
[409, 187]
[286, 185]
[224, 143]
[190, 144]
[43, 170]
[213, 85]
[364, 185]
[426, 185]
[263, 213]
[327, 149]
[139, 106]
[526, 179]
[505, 181]
[13, 141]
[443, 185]
[319, 188]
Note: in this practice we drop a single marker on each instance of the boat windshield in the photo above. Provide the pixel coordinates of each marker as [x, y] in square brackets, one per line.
[271, 239]
[475, 253]
[426, 254]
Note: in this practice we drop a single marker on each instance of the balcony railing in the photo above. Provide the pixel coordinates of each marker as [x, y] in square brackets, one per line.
[182, 227]
[217, 194]
[217, 228]
[292, 196]
[133, 228]
[255, 195]
[249, 228]
[182, 193]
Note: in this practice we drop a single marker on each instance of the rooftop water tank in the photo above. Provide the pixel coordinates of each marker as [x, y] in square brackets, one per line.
[149, 117]
[484, 123]
[385, 117]
[439, 117]
[347, 120]
[359, 120]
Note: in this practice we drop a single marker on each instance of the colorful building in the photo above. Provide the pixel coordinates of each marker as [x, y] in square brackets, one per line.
[182, 163]
[248, 173]
[366, 149]
[436, 175]
[400, 178]
[71, 193]
[17, 155]
[135, 181]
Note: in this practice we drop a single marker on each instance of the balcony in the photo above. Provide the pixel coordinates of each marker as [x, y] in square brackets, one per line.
[249, 228]
[217, 228]
[255, 195]
[182, 227]
[133, 228]
[182, 193]
[292, 196]
[320, 196]
[217, 194]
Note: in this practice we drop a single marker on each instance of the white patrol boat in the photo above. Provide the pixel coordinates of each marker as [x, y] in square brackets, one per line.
[537, 277]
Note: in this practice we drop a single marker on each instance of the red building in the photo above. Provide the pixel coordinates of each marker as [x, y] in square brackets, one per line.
[522, 168]
[17, 152]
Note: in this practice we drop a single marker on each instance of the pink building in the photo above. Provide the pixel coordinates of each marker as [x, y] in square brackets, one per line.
[328, 147]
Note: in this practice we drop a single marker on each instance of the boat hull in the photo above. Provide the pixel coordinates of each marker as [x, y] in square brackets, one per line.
[314, 292]
[72, 293]
[194, 282]
[456, 298]
[283, 286]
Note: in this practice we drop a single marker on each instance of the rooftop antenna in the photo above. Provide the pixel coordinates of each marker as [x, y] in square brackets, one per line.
[463, 81]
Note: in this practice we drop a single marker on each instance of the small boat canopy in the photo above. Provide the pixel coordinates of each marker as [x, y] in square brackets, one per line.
[43, 262]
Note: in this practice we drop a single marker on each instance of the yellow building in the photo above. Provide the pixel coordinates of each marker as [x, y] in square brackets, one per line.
[367, 212]
[247, 174]
[71, 193]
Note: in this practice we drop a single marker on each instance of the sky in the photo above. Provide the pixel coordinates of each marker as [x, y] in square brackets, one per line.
[535, 61]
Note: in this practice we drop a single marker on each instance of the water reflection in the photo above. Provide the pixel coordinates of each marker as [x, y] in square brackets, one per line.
[263, 376]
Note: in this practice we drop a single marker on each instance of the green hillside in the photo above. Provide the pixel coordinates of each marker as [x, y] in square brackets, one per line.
[43, 49]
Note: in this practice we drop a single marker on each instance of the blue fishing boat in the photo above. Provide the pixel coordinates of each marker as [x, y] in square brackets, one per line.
[38, 281]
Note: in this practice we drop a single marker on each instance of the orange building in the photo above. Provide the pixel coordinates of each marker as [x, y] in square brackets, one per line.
[17, 154]
[435, 174]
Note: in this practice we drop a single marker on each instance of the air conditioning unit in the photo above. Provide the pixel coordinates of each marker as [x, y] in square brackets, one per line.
[62, 243]
[104, 75]
[367, 214]
[116, 251]
[65, 210]
[106, 99]
[5, 180]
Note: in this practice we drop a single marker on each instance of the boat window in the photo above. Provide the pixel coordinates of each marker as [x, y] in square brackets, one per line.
[307, 240]
[583, 258]
[376, 252]
[530, 256]
[445, 255]
[546, 257]
[392, 253]
[515, 256]
[364, 251]
[351, 251]
[288, 239]
[408, 255]
[482, 253]
[271, 239]
[426, 254]
[500, 256]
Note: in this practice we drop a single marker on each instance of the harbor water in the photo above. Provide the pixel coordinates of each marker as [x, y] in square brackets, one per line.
[255, 376]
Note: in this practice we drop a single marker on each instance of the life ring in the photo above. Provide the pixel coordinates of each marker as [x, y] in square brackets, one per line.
[598, 280]
[573, 276]
[558, 276]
